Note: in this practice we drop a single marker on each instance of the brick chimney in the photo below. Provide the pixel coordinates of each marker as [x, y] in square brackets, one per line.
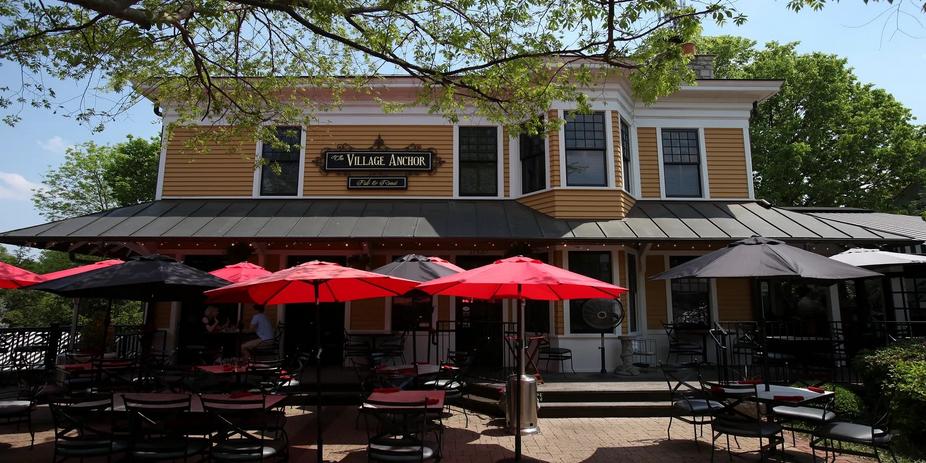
[703, 66]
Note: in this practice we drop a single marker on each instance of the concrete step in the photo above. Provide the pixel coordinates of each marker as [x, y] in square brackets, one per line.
[579, 396]
[604, 409]
[483, 405]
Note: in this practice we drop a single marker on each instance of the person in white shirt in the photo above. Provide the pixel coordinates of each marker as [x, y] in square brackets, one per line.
[261, 326]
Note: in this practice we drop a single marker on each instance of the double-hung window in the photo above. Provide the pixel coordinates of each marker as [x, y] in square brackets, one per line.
[533, 162]
[586, 150]
[626, 157]
[691, 298]
[279, 174]
[681, 163]
[593, 264]
[478, 149]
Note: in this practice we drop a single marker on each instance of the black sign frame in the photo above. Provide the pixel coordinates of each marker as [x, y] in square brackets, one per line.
[356, 183]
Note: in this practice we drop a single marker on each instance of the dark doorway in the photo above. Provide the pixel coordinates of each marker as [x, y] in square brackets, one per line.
[479, 327]
[196, 344]
[300, 321]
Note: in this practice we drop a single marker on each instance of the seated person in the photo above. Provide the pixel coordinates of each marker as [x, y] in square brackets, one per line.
[261, 326]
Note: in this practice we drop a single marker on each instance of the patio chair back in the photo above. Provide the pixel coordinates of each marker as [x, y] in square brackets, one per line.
[84, 429]
[266, 375]
[684, 383]
[246, 430]
[396, 430]
[158, 427]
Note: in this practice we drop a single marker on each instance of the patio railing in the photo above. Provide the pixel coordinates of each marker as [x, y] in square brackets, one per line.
[40, 347]
[785, 352]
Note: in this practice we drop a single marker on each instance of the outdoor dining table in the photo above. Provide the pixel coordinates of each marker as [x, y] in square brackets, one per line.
[421, 369]
[433, 399]
[196, 404]
[780, 395]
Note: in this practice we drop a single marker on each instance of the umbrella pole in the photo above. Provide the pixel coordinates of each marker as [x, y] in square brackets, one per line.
[520, 362]
[318, 376]
[74, 320]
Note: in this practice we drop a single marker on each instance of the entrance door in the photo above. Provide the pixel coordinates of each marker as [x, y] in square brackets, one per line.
[195, 343]
[479, 327]
[300, 321]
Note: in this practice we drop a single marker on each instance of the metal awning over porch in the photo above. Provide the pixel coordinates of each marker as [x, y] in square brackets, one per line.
[318, 219]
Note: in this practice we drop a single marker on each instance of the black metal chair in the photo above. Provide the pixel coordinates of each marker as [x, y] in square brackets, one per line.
[547, 353]
[874, 434]
[732, 420]
[396, 431]
[246, 430]
[159, 431]
[451, 378]
[265, 376]
[392, 348]
[689, 402]
[791, 417]
[85, 430]
[681, 347]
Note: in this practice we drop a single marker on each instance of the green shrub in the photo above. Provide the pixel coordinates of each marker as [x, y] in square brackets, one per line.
[899, 373]
[848, 405]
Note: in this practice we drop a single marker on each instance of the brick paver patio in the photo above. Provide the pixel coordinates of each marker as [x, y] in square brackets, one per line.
[561, 440]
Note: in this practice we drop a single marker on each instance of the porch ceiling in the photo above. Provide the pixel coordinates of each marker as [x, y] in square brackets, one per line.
[268, 219]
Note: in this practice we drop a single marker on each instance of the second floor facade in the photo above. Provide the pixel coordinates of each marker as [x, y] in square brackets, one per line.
[692, 145]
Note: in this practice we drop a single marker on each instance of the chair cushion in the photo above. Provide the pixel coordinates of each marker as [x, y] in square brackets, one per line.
[88, 448]
[852, 432]
[14, 407]
[698, 406]
[168, 449]
[446, 384]
[817, 415]
[386, 452]
[746, 428]
[246, 450]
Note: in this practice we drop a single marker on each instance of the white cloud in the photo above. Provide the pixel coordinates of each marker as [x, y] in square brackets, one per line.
[15, 186]
[55, 145]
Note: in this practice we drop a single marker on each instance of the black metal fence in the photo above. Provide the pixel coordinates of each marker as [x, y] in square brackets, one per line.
[491, 344]
[786, 352]
[35, 348]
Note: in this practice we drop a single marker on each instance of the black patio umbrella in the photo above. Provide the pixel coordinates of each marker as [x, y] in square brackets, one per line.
[416, 267]
[765, 258]
[759, 257]
[148, 279]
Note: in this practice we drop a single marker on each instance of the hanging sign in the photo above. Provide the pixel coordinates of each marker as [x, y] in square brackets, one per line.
[377, 183]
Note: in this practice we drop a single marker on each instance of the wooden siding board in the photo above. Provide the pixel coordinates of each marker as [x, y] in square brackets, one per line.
[734, 299]
[726, 163]
[224, 169]
[655, 291]
[649, 162]
[553, 142]
[616, 149]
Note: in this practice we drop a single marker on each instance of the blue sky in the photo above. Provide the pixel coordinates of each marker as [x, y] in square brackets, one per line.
[894, 61]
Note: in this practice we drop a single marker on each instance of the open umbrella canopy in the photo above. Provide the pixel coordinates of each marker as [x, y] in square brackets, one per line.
[521, 278]
[417, 268]
[759, 257]
[242, 271]
[297, 285]
[861, 257]
[147, 278]
[12, 277]
[445, 263]
[81, 269]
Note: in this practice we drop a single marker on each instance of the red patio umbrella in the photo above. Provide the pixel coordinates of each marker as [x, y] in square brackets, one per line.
[242, 271]
[521, 278]
[445, 263]
[74, 271]
[238, 273]
[12, 277]
[313, 282]
[81, 269]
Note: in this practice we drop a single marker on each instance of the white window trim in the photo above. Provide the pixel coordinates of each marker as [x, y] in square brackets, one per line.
[641, 325]
[702, 160]
[499, 162]
[747, 145]
[609, 153]
[162, 163]
[615, 277]
[300, 182]
[514, 156]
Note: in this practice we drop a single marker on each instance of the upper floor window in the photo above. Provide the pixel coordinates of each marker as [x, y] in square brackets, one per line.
[478, 161]
[533, 154]
[681, 163]
[586, 150]
[626, 156]
[279, 175]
